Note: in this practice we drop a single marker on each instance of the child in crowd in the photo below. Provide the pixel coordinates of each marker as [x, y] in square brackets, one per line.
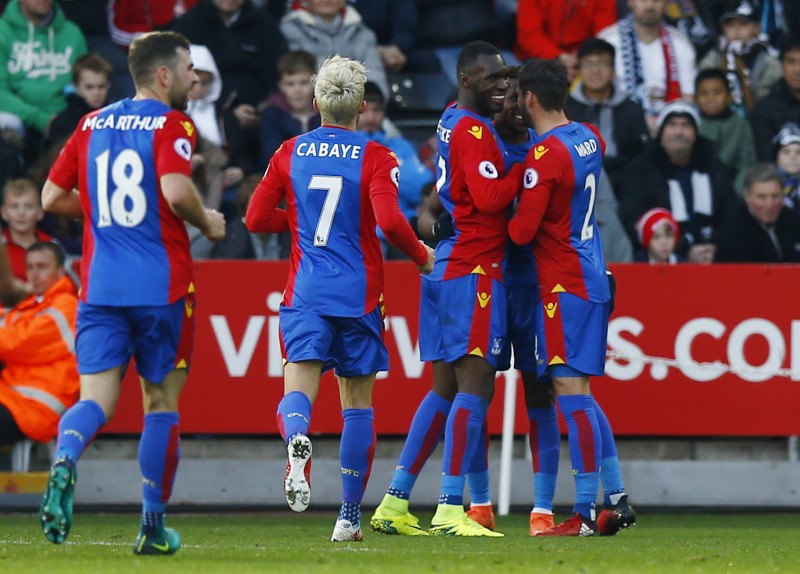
[21, 211]
[290, 111]
[91, 75]
[787, 159]
[730, 132]
[210, 170]
[746, 60]
[659, 234]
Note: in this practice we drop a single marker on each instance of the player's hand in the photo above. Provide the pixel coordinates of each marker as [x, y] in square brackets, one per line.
[198, 159]
[612, 288]
[215, 230]
[428, 267]
[247, 115]
[443, 228]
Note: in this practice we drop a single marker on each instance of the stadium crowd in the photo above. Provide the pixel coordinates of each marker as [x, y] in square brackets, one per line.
[688, 94]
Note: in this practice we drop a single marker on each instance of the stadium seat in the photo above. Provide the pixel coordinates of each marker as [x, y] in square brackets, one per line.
[21, 454]
[420, 92]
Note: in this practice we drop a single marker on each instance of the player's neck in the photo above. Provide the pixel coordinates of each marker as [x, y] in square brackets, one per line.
[546, 121]
[148, 93]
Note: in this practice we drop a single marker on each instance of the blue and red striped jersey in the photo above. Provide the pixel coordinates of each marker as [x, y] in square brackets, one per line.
[337, 184]
[135, 249]
[556, 210]
[476, 189]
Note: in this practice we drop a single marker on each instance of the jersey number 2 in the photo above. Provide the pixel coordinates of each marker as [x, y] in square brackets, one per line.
[587, 231]
[333, 186]
[128, 203]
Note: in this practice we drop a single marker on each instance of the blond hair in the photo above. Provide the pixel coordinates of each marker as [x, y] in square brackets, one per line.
[339, 89]
[19, 187]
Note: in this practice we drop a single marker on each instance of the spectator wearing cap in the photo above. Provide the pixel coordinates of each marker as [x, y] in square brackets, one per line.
[659, 235]
[746, 59]
[782, 104]
[787, 159]
[414, 175]
[762, 229]
[678, 171]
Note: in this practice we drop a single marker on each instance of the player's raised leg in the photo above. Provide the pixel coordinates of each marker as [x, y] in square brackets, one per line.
[294, 416]
[77, 428]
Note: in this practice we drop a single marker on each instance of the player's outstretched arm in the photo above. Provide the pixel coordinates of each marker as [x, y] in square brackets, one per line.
[183, 199]
[263, 214]
[525, 223]
[56, 199]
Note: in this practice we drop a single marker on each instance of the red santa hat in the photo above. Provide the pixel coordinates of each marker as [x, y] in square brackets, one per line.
[651, 221]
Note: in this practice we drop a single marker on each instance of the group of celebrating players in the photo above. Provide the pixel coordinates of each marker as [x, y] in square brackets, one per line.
[519, 264]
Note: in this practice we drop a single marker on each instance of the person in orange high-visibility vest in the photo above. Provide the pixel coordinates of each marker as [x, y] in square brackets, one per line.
[39, 378]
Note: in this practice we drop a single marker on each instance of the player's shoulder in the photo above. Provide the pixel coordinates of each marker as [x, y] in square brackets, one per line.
[472, 126]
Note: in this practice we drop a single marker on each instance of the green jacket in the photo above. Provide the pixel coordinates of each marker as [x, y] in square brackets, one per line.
[734, 143]
[36, 65]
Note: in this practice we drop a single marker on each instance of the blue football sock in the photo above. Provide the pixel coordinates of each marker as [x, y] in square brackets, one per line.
[462, 434]
[159, 454]
[77, 428]
[350, 511]
[610, 473]
[294, 415]
[478, 475]
[356, 452]
[426, 430]
[545, 445]
[584, 449]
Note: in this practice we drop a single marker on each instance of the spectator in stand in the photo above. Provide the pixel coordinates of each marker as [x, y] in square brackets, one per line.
[91, 75]
[129, 19]
[598, 99]
[679, 171]
[782, 104]
[38, 47]
[414, 176]
[246, 44]
[21, 211]
[694, 20]
[658, 235]
[656, 62]
[745, 58]
[730, 132]
[290, 111]
[91, 16]
[331, 27]
[210, 170]
[762, 229]
[787, 160]
[778, 18]
[39, 380]
[554, 29]
[395, 27]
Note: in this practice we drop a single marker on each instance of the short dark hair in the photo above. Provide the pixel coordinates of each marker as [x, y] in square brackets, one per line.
[471, 52]
[93, 62]
[760, 173]
[373, 93]
[596, 46]
[712, 74]
[50, 246]
[547, 79]
[788, 43]
[150, 51]
[297, 61]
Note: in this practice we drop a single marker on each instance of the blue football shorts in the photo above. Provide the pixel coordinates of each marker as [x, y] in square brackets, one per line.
[521, 308]
[462, 316]
[353, 346]
[160, 337]
[571, 331]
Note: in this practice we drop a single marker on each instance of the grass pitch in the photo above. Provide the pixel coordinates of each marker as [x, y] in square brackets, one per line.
[288, 542]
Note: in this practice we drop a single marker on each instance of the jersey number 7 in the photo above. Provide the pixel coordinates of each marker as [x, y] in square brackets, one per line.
[333, 186]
